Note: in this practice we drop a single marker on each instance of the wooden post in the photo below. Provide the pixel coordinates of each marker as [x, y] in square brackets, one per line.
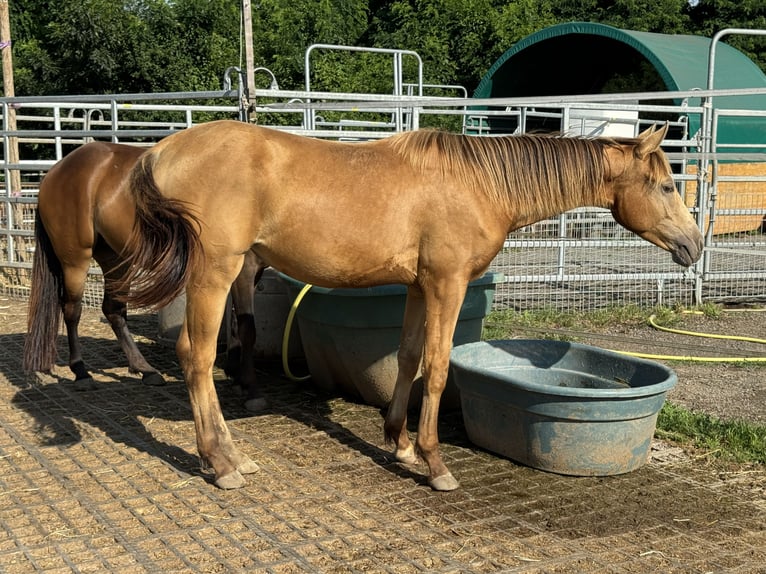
[9, 92]
[17, 251]
[247, 23]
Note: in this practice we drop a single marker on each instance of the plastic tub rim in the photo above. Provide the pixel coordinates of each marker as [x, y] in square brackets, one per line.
[457, 362]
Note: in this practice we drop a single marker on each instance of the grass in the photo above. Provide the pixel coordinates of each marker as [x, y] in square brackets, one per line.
[506, 323]
[736, 441]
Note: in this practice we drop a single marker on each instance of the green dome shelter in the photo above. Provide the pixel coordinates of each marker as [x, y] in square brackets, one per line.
[588, 58]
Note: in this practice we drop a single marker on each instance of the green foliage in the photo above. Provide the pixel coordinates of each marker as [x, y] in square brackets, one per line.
[122, 46]
[125, 46]
[711, 16]
[284, 30]
[711, 310]
[204, 42]
[95, 45]
[665, 16]
[504, 323]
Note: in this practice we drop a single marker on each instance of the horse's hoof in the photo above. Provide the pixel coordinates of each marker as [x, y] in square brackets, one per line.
[256, 405]
[153, 380]
[444, 483]
[230, 481]
[407, 456]
[248, 467]
[85, 384]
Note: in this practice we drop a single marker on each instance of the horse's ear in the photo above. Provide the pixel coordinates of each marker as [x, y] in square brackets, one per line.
[648, 131]
[649, 141]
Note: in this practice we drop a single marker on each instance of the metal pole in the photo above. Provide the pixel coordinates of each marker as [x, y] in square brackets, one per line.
[15, 215]
[708, 148]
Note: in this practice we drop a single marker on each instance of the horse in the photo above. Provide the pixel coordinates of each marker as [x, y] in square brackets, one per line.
[427, 209]
[83, 214]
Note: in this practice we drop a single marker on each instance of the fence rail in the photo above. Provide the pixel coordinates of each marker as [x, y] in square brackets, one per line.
[579, 260]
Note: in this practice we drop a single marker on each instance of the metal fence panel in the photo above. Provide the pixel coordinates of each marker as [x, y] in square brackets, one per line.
[579, 260]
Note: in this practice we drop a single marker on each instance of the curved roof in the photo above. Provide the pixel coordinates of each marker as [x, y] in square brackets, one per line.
[589, 58]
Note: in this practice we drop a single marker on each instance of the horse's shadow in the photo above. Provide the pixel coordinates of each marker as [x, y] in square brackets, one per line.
[121, 407]
[316, 409]
[117, 404]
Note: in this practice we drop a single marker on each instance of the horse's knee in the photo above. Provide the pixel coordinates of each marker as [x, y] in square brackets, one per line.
[435, 375]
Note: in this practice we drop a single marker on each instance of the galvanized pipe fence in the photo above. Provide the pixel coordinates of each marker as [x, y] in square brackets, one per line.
[580, 260]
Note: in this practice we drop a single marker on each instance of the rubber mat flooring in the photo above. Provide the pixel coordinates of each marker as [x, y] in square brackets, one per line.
[108, 480]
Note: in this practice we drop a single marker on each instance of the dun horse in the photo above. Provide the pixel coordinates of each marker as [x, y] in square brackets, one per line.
[83, 213]
[426, 209]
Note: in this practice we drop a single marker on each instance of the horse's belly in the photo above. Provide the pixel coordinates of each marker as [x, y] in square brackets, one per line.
[335, 264]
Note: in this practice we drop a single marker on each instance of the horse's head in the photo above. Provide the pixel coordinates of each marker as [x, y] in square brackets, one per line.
[644, 198]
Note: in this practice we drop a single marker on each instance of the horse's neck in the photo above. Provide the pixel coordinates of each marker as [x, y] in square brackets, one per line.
[589, 198]
[541, 208]
[535, 193]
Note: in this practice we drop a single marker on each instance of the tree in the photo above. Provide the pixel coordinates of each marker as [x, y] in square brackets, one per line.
[206, 42]
[457, 39]
[284, 30]
[125, 46]
[121, 46]
[662, 16]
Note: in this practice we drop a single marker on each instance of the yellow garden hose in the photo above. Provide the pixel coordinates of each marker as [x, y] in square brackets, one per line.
[286, 336]
[708, 335]
[654, 324]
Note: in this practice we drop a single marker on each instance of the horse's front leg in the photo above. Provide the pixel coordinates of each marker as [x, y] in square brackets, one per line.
[410, 353]
[442, 310]
[115, 312]
[196, 348]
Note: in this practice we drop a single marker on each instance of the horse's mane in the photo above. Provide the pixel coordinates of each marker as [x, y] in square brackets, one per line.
[545, 170]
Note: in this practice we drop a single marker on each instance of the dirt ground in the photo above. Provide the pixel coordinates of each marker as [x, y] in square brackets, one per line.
[108, 480]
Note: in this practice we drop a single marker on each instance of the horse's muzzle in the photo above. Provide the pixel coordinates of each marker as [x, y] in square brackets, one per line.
[687, 251]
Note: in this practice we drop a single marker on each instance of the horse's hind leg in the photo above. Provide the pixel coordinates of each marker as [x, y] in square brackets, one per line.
[115, 312]
[196, 348]
[242, 293]
[71, 307]
[409, 356]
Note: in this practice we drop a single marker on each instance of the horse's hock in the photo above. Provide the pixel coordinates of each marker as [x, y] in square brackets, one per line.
[734, 195]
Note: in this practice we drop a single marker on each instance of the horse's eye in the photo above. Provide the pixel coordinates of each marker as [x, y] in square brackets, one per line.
[668, 187]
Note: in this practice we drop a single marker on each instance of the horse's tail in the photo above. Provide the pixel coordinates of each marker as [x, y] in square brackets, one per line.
[163, 247]
[44, 312]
